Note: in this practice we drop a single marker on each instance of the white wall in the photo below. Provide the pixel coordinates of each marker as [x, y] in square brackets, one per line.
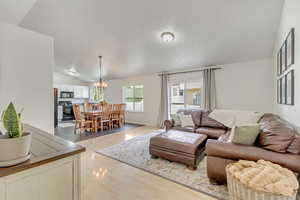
[62, 79]
[290, 18]
[26, 64]
[113, 94]
[246, 86]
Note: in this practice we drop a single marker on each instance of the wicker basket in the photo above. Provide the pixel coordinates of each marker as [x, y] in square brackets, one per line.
[239, 191]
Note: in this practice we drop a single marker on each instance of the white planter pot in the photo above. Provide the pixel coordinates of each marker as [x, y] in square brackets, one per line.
[14, 148]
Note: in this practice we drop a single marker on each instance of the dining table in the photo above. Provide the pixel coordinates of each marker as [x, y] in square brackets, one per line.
[94, 115]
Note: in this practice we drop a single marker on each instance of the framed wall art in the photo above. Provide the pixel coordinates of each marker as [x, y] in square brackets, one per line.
[283, 58]
[290, 48]
[283, 90]
[279, 91]
[279, 71]
[285, 75]
[290, 87]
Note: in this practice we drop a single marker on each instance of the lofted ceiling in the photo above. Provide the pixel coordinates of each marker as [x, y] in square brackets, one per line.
[13, 11]
[127, 33]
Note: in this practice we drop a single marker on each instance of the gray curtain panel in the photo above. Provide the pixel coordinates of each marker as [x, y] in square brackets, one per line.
[164, 102]
[209, 85]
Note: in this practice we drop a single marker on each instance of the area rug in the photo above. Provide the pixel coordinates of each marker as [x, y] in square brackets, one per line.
[135, 152]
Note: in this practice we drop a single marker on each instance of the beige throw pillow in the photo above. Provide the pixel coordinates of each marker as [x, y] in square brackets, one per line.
[186, 120]
[244, 134]
[176, 119]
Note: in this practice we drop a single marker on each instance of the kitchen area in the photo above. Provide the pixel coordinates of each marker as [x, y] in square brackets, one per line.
[64, 97]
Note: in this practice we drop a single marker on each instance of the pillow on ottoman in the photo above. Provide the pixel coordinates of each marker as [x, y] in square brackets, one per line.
[244, 134]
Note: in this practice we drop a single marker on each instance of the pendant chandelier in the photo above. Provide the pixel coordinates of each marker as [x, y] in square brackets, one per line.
[101, 83]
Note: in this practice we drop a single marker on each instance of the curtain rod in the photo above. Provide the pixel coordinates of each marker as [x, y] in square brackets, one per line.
[189, 71]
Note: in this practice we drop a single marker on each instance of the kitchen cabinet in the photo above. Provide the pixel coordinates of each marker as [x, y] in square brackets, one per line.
[80, 92]
[59, 113]
[51, 181]
[53, 172]
[2, 190]
[86, 92]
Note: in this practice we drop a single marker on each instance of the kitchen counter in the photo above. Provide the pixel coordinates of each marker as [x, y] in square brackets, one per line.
[45, 148]
[53, 171]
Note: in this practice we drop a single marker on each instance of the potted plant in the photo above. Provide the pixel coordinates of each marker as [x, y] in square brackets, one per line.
[14, 144]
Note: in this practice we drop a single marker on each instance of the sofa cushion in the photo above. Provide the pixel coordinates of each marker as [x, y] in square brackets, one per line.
[196, 116]
[225, 137]
[295, 146]
[267, 117]
[176, 119]
[276, 136]
[186, 120]
[211, 132]
[246, 152]
[245, 134]
[209, 122]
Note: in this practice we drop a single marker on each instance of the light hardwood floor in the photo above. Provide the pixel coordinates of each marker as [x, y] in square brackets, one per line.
[108, 179]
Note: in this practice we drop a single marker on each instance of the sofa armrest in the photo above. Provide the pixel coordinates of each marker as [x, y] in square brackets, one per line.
[169, 124]
[253, 153]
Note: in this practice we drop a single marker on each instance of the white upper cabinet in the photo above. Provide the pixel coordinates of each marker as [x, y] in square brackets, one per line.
[86, 92]
[80, 92]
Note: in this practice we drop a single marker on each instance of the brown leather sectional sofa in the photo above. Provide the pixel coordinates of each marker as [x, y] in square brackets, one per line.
[278, 142]
[202, 124]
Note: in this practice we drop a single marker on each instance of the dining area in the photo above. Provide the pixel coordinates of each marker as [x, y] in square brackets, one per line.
[95, 117]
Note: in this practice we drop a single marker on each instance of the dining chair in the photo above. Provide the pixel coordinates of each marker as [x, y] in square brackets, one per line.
[115, 115]
[87, 107]
[103, 103]
[98, 107]
[80, 122]
[122, 113]
[104, 120]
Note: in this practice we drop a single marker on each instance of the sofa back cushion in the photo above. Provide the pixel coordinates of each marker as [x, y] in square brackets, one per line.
[209, 122]
[295, 146]
[276, 135]
[186, 120]
[196, 116]
[185, 111]
[267, 117]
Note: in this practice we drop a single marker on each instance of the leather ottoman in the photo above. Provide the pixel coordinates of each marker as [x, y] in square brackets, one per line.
[178, 146]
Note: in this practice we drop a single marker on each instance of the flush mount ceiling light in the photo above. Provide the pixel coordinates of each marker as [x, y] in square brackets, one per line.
[72, 72]
[167, 37]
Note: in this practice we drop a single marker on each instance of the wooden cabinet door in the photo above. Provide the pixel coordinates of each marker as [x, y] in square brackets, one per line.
[54, 182]
[25, 188]
[2, 189]
[57, 183]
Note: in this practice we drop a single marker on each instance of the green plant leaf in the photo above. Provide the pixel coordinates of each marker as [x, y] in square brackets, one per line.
[11, 122]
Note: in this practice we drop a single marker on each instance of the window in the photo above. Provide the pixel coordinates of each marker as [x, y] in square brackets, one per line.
[188, 96]
[96, 94]
[133, 97]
